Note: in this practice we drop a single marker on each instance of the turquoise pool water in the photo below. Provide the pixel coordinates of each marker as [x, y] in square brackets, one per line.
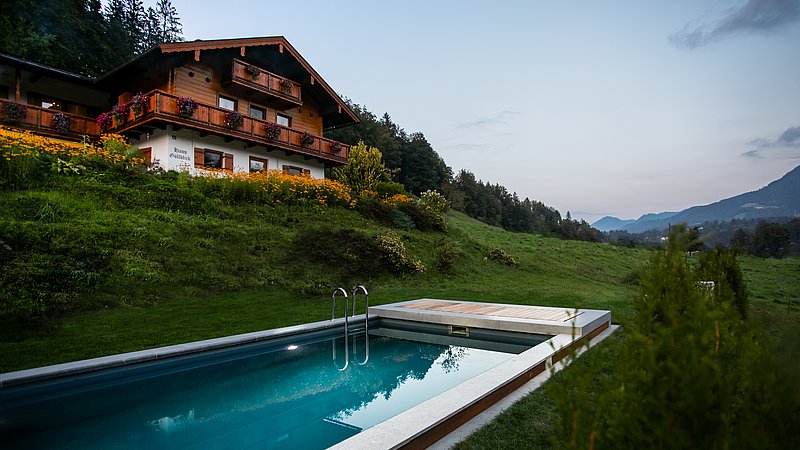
[252, 397]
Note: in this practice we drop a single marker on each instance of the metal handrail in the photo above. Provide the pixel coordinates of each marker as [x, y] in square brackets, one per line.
[366, 324]
[346, 332]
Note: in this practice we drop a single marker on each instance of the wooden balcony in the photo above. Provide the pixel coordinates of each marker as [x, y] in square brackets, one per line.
[40, 121]
[162, 109]
[283, 92]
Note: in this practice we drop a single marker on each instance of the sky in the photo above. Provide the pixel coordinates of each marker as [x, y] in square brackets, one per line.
[595, 107]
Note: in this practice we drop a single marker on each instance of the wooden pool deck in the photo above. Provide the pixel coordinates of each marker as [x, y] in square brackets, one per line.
[523, 318]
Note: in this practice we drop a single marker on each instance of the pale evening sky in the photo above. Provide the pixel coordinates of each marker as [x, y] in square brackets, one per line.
[597, 108]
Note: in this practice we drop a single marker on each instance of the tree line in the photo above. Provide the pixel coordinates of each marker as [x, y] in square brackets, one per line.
[83, 36]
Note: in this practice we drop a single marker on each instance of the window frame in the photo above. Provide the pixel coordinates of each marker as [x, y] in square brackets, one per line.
[287, 169]
[259, 108]
[278, 117]
[252, 159]
[235, 102]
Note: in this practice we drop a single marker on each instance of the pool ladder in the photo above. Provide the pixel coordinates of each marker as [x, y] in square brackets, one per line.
[347, 326]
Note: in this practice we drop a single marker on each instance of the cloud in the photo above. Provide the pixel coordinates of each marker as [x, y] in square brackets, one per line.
[753, 16]
[790, 138]
[501, 118]
[752, 154]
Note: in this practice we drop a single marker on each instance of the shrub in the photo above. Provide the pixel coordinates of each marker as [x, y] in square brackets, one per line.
[424, 219]
[447, 255]
[723, 269]
[501, 256]
[386, 189]
[691, 375]
[364, 169]
[394, 252]
[13, 112]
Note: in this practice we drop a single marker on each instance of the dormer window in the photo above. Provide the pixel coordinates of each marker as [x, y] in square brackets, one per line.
[227, 103]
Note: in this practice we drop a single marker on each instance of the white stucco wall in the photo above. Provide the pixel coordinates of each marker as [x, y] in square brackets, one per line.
[174, 150]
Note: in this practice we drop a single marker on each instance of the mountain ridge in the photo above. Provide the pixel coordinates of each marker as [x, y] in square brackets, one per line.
[780, 198]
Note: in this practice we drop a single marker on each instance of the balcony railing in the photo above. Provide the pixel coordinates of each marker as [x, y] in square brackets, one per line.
[40, 120]
[211, 119]
[267, 82]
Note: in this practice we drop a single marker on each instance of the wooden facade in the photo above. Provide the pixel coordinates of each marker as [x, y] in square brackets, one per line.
[265, 80]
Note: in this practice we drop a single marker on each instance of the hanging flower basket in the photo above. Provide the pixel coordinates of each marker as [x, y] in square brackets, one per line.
[273, 131]
[234, 119]
[13, 112]
[61, 122]
[286, 86]
[336, 148]
[139, 103]
[186, 106]
[252, 71]
[306, 139]
[105, 122]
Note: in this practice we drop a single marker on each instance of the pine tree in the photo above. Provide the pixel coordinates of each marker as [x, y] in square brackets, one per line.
[170, 24]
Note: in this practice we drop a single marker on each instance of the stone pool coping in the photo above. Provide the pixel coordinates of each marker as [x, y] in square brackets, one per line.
[10, 379]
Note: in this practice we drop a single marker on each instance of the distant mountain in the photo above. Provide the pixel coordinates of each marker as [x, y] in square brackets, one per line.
[609, 223]
[781, 198]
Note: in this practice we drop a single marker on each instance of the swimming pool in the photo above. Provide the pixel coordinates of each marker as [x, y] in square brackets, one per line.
[284, 392]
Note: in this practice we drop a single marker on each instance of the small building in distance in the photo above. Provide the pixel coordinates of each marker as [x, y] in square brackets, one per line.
[246, 104]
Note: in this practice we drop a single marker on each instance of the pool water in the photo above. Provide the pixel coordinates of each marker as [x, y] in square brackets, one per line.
[261, 398]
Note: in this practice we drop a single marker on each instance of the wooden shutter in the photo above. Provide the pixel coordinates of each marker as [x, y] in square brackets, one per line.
[199, 157]
[147, 155]
[306, 172]
[227, 161]
[285, 168]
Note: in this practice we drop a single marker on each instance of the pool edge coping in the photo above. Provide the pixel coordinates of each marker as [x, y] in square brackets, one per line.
[19, 377]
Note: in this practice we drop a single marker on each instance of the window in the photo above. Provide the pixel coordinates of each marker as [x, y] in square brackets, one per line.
[294, 170]
[212, 159]
[283, 120]
[258, 164]
[227, 103]
[258, 112]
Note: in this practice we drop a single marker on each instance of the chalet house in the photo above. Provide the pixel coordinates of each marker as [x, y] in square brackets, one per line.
[246, 104]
